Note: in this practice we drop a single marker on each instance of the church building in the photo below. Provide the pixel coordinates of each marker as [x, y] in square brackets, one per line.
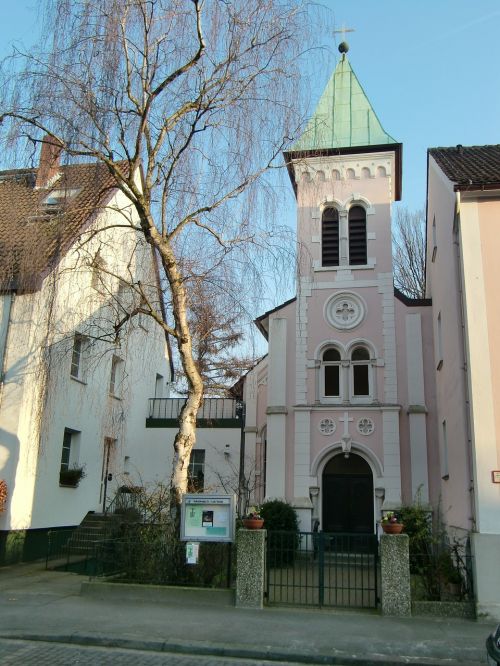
[361, 404]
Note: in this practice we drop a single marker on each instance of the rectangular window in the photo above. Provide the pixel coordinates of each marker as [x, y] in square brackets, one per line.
[77, 356]
[70, 473]
[332, 381]
[361, 380]
[66, 449]
[196, 471]
[159, 386]
[116, 377]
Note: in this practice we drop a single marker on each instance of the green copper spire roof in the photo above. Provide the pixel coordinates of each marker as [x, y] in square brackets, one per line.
[344, 117]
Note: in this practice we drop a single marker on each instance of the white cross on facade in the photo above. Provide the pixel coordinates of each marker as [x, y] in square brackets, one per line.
[346, 420]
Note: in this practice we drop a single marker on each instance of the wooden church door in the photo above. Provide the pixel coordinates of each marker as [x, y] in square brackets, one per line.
[347, 492]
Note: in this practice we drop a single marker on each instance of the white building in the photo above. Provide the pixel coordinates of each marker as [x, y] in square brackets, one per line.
[73, 394]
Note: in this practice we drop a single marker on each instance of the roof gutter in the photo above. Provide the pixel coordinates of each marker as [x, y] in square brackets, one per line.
[476, 187]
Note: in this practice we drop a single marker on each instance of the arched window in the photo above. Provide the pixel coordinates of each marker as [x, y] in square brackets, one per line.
[357, 236]
[330, 237]
[360, 364]
[331, 373]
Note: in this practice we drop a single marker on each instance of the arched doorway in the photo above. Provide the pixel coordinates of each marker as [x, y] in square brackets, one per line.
[347, 485]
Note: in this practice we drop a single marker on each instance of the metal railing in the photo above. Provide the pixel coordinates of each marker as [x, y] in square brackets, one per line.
[442, 575]
[211, 408]
[127, 501]
[322, 569]
[146, 555]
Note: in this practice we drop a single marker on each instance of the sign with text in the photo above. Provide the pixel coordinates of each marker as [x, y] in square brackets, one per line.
[495, 476]
[207, 517]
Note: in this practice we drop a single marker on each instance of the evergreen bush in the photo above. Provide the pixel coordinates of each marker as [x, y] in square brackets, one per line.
[282, 525]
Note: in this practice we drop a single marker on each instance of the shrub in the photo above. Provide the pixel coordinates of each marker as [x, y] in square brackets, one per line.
[281, 522]
[433, 560]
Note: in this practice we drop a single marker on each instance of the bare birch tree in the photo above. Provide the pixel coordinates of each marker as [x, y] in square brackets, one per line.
[197, 96]
[409, 252]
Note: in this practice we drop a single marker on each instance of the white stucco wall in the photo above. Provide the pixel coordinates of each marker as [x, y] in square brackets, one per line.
[40, 399]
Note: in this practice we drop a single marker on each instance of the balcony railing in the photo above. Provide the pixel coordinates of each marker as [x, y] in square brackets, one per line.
[214, 412]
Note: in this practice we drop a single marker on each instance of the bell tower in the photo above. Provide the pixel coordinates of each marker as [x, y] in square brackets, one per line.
[346, 172]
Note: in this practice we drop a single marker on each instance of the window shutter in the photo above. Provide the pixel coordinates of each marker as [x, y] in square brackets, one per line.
[330, 238]
[357, 236]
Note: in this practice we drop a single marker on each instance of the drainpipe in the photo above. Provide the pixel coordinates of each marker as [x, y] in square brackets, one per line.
[464, 361]
[241, 413]
[4, 335]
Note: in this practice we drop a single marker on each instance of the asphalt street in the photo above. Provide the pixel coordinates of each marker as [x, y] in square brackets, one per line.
[49, 617]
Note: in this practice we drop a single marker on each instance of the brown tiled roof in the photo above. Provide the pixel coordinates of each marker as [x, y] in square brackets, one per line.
[470, 167]
[33, 237]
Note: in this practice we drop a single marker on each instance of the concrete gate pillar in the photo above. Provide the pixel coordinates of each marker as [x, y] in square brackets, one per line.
[250, 568]
[395, 575]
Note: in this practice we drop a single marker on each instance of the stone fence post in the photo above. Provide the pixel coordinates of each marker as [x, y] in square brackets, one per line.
[395, 574]
[250, 568]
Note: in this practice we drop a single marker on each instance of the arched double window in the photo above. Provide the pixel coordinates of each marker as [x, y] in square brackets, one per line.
[341, 245]
[346, 376]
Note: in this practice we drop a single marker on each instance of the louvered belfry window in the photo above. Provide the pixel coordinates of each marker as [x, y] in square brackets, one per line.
[357, 236]
[330, 237]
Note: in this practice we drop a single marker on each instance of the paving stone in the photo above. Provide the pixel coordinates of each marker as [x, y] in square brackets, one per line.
[37, 653]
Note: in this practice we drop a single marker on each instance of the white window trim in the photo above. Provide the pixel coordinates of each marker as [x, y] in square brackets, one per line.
[333, 399]
[81, 369]
[74, 449]
[346, 373]
[116, 376]
[360, 398]
[343, 215]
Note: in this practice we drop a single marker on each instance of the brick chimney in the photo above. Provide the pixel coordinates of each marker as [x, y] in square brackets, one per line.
[49, 161]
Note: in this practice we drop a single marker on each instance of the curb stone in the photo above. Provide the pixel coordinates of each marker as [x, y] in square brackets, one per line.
[337, 658]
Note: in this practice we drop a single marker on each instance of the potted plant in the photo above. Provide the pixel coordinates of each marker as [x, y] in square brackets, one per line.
[71, 476]
[253, 520]
[391, 524]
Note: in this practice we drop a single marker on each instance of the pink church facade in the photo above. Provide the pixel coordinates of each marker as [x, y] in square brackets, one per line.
[346, 411]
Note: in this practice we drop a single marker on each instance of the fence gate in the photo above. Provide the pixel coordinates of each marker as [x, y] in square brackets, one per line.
[322, 569]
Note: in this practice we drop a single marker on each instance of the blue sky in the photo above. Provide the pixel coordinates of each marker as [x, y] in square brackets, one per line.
[429, 67]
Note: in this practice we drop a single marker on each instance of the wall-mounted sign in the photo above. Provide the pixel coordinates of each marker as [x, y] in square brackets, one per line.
[192, 552]
[495, 476]
[207, 517]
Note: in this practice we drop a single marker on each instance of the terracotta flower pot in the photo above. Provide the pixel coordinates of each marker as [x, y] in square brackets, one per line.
[253, 523]
[392, 528]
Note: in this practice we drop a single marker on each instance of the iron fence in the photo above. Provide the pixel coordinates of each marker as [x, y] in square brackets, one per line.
[147, 555]
[71, 550]
[322, 569]
[444, 574]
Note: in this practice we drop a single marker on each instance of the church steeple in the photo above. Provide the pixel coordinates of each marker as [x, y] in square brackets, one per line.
[344, 123]
[344, 117]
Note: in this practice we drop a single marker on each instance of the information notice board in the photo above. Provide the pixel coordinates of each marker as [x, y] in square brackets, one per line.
[207, 517]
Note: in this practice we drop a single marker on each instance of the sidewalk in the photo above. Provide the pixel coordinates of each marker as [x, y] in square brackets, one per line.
[45, 605]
